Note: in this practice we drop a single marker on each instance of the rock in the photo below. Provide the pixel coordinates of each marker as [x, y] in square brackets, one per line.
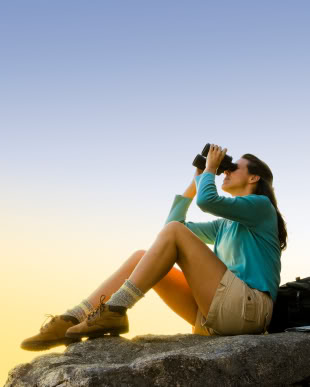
[280, 359]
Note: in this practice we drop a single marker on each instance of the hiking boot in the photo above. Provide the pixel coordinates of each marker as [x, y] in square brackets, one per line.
[51, 334]
[104, 319]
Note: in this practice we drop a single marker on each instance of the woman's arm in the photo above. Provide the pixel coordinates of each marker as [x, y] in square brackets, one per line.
[206, 231]
[190, 191]
[249, 210]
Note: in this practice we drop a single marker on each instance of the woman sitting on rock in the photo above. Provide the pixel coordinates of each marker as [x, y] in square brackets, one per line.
[228, 291]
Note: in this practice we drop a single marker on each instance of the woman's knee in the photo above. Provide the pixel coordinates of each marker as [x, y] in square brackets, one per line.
[173, 226]
[138, 254]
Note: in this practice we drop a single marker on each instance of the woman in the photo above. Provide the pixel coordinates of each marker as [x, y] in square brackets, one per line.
[229, 291]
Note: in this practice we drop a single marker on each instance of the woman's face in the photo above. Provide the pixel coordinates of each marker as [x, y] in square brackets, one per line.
[237, 183]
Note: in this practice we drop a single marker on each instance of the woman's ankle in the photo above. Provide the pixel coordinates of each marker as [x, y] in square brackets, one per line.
[80, 311]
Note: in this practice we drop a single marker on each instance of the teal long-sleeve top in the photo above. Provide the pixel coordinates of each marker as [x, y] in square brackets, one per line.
[245, 236]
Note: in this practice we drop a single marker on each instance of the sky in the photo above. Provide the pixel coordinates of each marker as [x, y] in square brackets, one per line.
[103, 108]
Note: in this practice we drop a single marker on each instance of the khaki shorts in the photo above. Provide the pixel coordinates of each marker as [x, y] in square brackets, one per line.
[236, 309]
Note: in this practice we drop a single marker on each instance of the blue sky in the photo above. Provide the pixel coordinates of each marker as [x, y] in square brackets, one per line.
[129, 92]
[104, 105]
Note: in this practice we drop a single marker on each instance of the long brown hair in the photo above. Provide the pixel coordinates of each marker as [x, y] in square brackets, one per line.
[264, 187]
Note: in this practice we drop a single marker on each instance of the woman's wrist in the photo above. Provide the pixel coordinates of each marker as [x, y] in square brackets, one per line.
[210, 169]
[190, 191]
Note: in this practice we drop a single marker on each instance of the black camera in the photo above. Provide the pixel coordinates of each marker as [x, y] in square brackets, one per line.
[226, 163]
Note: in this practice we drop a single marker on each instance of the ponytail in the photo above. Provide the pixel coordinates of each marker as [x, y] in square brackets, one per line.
[264, 187]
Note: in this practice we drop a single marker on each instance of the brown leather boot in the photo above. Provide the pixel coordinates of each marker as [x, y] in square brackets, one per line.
[104, 319]
[51, 334]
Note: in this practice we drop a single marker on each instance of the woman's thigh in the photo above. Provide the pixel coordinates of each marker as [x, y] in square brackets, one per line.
[174, 290]
[202, 269]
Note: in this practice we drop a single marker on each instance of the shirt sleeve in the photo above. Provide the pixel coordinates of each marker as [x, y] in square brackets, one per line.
[249, 210]
[206, 231]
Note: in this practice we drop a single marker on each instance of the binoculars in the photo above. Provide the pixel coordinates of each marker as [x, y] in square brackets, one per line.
[226, 163]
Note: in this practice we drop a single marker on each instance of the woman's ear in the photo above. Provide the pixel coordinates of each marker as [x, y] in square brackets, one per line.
[254, 178]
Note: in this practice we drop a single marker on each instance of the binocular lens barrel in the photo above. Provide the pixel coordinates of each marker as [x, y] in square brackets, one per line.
[226, 163]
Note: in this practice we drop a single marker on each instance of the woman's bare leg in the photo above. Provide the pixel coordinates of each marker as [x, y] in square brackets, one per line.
[173, 289]
[175, 243]
[116, 280]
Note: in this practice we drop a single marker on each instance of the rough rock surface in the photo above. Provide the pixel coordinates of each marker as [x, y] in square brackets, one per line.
[280, 359]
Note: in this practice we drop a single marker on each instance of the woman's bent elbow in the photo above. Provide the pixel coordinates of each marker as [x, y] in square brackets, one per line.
[202, 204]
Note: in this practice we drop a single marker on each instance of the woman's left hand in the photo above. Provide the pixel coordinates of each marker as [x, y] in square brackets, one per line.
[214, 158]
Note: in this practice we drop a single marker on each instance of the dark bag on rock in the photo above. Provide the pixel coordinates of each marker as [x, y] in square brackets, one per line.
[292, 306]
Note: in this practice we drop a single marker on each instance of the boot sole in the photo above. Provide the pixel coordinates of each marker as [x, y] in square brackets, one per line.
[102, 332]
[42, 346]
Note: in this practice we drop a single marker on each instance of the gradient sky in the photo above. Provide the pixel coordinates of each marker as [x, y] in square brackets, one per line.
[103, 107]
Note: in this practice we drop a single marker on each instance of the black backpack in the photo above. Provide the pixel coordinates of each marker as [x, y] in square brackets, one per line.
[292, 306]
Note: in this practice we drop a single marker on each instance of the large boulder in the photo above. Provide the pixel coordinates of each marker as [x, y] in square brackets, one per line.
[280, 359]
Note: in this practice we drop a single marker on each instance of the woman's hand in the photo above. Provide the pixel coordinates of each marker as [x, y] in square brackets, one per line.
[214, 158]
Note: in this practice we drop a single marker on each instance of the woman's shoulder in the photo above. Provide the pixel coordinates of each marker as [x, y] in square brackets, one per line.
[262, 202]
[259, 198]
[264, 206]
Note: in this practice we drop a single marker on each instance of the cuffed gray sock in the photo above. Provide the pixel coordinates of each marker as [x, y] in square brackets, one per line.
[127, 295]
[80, 311]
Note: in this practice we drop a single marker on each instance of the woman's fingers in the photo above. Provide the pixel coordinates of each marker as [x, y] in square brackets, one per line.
[218, 149]
[216, 155]
[223, 153]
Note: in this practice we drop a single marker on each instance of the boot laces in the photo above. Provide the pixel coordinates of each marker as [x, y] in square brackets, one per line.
[97, 312]
[47, 325]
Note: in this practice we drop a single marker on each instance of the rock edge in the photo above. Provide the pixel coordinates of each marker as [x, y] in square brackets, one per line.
[280, 359]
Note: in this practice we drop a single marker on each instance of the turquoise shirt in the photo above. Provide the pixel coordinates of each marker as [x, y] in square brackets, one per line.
[245, 237]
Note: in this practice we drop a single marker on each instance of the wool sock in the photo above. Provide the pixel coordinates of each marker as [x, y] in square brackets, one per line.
[127, 295]
[80, 311]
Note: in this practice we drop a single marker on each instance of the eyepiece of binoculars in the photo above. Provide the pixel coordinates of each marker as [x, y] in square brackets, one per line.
[226, 163]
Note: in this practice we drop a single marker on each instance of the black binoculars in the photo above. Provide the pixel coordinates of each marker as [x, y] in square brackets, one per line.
[226, 163]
